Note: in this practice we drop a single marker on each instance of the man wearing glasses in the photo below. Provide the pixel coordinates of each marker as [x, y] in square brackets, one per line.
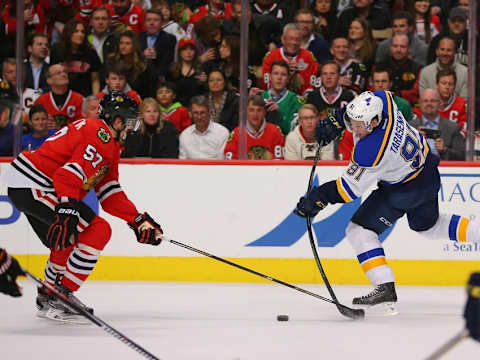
[204, 139]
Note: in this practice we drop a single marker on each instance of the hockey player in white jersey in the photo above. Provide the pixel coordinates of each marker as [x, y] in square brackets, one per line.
[391, 153]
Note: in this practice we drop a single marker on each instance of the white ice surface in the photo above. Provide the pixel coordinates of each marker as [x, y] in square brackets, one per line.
[235, 322]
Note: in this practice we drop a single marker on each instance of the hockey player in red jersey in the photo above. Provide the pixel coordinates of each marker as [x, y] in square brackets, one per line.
[47, 186]
[264, 140]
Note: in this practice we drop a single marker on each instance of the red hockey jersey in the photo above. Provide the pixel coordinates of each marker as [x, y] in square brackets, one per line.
[307, 68]
[38, 20]
[72, 109]
[205, 10]
[85, 8]
[178, 115]
[134, 17]
[268, 144]
[77, 158]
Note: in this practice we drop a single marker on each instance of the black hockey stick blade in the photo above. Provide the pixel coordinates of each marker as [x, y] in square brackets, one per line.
[94, 319]
[355, 314]
[351, 313]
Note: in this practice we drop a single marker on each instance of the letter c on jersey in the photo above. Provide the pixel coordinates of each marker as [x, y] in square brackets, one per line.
[15, 214]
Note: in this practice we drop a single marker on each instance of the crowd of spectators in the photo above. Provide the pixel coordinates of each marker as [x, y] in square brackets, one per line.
[180, 61]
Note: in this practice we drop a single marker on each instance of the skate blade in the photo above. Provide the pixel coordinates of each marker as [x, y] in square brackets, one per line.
[383, 309]
[42, 314]
[56, 315]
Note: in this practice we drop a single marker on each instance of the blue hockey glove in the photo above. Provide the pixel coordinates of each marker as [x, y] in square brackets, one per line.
[330, 128]
[472, 308]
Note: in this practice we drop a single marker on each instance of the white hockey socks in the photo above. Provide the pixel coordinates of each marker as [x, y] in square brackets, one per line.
[370, 254]
[53, 272]
[455, 228]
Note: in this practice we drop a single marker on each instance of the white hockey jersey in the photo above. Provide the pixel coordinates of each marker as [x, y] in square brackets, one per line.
[393, 154]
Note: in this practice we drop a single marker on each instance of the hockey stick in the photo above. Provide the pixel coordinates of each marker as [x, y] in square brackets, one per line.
[346, 311]
[450, 344]
[188, 247]
[94, 319]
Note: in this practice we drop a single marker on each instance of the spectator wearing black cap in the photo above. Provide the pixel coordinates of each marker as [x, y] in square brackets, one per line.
[457, 30]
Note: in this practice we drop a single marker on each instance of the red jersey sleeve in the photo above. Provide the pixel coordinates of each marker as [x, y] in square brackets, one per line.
[266, 64]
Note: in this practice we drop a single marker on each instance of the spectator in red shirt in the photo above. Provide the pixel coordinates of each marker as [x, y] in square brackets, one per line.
[172, 110]
[33, 16]
[63, 105]
[264, 140]
[452, 106]
[124, 11]
[217, 8]
[302, 63]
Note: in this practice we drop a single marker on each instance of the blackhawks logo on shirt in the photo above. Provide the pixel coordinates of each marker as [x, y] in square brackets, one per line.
[93, 180]
[259, 152]
[103, 135]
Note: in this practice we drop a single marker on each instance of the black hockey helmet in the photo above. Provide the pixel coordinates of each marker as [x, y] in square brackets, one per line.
[118, 104]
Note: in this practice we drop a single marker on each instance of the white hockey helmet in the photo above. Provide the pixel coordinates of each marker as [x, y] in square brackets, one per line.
[365, 107]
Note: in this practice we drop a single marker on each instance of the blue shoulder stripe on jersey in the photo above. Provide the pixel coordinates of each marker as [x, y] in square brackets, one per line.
[370, 254]
[369, 151]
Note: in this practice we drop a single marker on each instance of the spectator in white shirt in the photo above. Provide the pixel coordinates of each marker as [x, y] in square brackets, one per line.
[300, 143]
[204, 139]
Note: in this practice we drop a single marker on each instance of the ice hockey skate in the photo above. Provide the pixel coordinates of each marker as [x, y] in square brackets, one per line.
[381, 301]
[59, 311]
[43, 297]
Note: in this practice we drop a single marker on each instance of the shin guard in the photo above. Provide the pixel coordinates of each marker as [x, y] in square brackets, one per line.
[370, 254]
[84, 256]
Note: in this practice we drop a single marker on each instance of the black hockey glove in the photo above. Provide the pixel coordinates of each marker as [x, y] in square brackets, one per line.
[308, 207]
[9, 270]
[147, 230]
[63, 232]
[472, 308]
[330, 128]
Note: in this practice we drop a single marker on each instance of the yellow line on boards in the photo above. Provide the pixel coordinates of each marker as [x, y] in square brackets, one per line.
[201, 269]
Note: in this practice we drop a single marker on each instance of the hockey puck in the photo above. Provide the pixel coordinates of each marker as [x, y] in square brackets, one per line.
[282, 317]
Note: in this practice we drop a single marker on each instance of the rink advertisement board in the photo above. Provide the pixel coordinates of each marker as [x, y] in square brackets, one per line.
[243, 211]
